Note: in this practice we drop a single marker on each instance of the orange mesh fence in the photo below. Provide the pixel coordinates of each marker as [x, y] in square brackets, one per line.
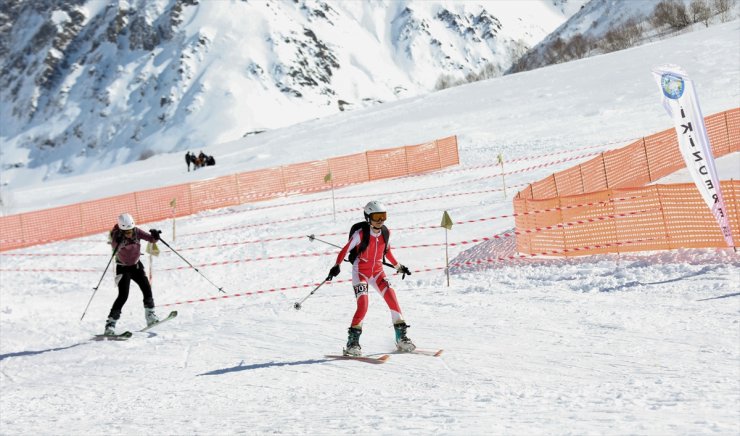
[11, 231]
[665, 217]
[533, 220]
[448, 152]
[46, 225]
[260, 184]
[603, 230]
[97, 216]
[569, 182]
[164, 203]
[717, 130]
[545, 188]
[626, 166]
[214, 193]
[663, 155]
[641, 207]
[306, 177]
[422, 158]
[689, 220]
[594, 176]
[100, 215]
[350, 169]
[660, 216]
[384, 164]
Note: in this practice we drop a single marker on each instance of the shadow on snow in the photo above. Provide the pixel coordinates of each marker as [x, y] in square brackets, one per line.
[34, 353]
[240, 367]
[721, 296]
[704, 270]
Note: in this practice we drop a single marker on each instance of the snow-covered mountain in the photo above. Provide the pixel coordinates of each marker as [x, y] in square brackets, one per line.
[608, 25]
[91, 84]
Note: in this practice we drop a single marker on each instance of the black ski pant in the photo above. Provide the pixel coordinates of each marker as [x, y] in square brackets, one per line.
[128, 273]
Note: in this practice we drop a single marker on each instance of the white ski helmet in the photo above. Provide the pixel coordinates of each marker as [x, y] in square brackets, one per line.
[374, 207]
[126, 221]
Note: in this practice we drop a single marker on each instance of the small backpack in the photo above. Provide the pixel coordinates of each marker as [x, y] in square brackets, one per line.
[365, 240]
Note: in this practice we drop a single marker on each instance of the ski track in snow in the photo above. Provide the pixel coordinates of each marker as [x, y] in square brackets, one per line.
[641, 343]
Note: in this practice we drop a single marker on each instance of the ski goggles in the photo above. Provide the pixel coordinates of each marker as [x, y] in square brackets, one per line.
[377, 216]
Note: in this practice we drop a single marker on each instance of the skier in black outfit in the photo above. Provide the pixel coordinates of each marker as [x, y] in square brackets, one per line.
[125, 239]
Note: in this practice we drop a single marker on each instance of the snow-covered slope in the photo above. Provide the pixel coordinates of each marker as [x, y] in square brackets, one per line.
[630, 344]
[90, 85]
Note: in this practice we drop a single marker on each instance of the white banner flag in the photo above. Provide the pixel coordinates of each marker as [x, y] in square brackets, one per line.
[679, 99]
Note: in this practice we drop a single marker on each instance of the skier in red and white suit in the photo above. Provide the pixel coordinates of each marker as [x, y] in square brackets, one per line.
[367, 270]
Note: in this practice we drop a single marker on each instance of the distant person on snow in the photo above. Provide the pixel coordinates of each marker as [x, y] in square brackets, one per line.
[189, 159]
[368, 246]
[125, 240]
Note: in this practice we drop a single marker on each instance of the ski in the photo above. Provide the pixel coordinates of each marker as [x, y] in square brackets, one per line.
[366, 359]
[119, 337]
[169, 317]
[422, 351]
[127, 334]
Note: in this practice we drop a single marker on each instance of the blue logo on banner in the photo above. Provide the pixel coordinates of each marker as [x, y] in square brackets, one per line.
[673, 86]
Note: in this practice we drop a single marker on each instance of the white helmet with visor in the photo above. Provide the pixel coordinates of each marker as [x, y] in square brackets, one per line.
[126, 222]
[375, 211]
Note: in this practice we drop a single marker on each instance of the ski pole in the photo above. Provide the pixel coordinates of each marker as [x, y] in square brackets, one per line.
[297, 305]
[95, 289]
[191, 265]
[312, 238]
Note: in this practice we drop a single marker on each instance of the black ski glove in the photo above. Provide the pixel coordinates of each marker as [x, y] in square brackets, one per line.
[155, 234]
[117, 236]
[333, 272]
[403, 270]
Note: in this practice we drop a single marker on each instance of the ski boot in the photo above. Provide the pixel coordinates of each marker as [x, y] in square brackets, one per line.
[353, 342]
[403, 343]
[110, 326]
[151, 317]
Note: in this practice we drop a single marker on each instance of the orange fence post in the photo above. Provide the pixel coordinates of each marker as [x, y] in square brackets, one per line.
[647, 161]
[732, 120]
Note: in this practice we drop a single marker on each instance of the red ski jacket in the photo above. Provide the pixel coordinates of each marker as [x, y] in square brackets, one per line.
[370, 262]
